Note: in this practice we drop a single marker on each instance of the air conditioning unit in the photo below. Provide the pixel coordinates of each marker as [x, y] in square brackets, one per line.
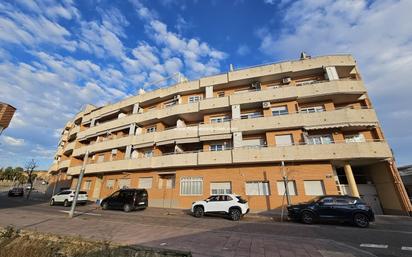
[286, 80]
[266, 104]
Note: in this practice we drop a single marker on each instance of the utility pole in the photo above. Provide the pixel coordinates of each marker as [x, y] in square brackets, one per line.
[79, 182]
[285, 182]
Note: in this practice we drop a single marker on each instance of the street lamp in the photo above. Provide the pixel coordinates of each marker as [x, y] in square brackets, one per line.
[79, 182]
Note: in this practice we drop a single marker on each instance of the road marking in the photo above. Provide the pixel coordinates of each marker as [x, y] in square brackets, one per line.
[406, 248]
[374, 246]
[83, 213]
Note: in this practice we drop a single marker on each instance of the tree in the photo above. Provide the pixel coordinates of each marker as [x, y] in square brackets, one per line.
[30, 167]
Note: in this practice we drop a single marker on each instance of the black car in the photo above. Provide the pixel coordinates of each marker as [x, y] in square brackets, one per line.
[16, 191]
[333, 208]
[126, 200]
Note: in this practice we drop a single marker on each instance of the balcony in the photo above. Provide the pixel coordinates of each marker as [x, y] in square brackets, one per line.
[336, 151]
[327, 119]
[369, 150]
[107, 126]
[214, 103]
[74, 130]
[69, 147]
[178, 109]
[215, 157]
[323, 88]
[63, 164]
[207, 129]
[190, 132]
[175, 160]
[104, 145]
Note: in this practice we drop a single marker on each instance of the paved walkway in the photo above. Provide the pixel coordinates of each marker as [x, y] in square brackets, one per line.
[221, 238]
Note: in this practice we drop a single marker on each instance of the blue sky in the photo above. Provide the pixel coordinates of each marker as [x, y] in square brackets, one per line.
[56, 56]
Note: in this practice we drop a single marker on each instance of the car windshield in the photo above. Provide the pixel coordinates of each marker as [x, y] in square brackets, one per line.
[240, 199]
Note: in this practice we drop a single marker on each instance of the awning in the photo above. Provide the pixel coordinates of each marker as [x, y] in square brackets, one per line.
[342, 125]
[215, 137]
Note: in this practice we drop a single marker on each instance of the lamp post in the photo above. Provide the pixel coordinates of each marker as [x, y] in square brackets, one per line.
[79, 182]
[285, 182]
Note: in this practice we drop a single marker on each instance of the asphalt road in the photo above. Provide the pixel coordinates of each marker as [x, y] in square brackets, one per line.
[388, 236]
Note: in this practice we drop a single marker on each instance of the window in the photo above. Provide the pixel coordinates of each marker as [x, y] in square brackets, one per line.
[216, 147]
[280, 110]
[124, 183]
[113, 155]
[221, 94]
[100, 158]
[151, 129]
[355, 138]
[250, 115]
[145, 182]
[194, 98]
[110, 183]
[148, 153]
[291, 187]
[312, 109]
[219, 119]
[320, 139]
[87, 184]
[191, 186]
[283, 140]
[220, 188]
[314, 187]
[327, 201]
[257, 188]
[170, 182]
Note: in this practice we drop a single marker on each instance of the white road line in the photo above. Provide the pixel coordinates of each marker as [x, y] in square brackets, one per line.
[83, 213]
[374, 246]
[406, 248]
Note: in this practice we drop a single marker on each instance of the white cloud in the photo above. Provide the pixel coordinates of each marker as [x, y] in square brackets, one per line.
[243, 50]
[378, 34]
[13, 141]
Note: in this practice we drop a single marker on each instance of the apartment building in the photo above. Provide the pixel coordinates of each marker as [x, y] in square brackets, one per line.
[242, 132]
[6, 114]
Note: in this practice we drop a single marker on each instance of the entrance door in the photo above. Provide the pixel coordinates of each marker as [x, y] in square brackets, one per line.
[370, 196]
[167, 185]
[97, 187]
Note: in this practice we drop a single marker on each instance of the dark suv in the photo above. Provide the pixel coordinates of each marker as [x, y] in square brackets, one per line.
[126, 200]
[339, 208]
[16, 191]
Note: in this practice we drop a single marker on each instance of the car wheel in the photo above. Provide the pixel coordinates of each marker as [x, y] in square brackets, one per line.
[105, 206]
[308, 217]
[235, 214]
[66, 203]
[51, 202]
[361, 220]
[198, 212]
[127, 208]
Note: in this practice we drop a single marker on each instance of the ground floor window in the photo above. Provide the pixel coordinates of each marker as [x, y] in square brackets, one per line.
[291, 187]
[314, 187]
[257, 188]
[87, 184]
[220, 188]
[124, 183]
[110, 183]
[145, 183]
[191, 186]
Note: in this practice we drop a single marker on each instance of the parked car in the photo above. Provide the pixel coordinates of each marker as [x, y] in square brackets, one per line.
[333, 208]
[66, 198]
[16, 191]
[126, 200]
[228, 204]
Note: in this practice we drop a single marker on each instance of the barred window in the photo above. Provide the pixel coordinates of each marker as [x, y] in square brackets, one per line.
[110, 183]
[191, 186]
